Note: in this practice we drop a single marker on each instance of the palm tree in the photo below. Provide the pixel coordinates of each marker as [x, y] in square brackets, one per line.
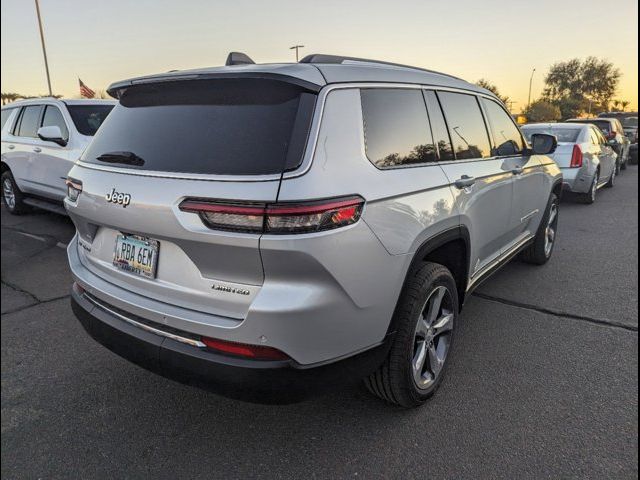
[10, 97]
[625, 104]
[616, 105]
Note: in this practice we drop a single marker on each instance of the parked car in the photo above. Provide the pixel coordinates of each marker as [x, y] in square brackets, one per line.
[41, 140]
[585, 157]
[629, 122]
[268, 230]
[613, 131]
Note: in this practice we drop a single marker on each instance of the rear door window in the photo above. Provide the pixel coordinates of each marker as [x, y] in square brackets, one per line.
[29, 121]
[396, 127]
[53, 117]
[506, 136]
[467, 129]
[222, 126]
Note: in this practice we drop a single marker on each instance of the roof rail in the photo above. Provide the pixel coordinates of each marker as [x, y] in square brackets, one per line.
[238, 58]
[337, 59]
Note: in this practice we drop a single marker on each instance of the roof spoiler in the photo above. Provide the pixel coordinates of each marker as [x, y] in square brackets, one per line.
[238, 58]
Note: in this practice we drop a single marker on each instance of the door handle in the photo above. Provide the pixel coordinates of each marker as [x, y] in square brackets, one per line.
[11, 147]
[465, 182]
[37, 149]
[517, 171]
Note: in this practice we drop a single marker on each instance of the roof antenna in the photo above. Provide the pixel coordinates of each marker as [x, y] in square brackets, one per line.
[238, 58]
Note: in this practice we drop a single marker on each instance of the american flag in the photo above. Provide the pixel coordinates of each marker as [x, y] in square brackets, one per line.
[86, 91]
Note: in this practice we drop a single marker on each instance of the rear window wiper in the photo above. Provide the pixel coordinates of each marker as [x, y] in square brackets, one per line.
[126, 158]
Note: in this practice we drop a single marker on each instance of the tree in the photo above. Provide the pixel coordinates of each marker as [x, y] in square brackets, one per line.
[543, 111]
[492, 88]
[624, 104]
[576, 86]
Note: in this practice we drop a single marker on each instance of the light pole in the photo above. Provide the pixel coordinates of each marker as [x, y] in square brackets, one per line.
[530, 83]
[296, 48]
[44, 50]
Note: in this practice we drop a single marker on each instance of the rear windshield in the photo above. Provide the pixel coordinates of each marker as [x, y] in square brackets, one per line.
[604, 126]
[569, 135]
[87, 118]
[221, 127]
[630, 122]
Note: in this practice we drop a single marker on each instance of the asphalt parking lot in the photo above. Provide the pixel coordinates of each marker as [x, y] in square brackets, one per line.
[543, 381]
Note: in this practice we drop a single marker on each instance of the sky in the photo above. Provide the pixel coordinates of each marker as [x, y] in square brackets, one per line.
[500, 40]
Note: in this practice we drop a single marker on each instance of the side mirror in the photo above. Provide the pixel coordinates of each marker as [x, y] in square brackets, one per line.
[543, 144]
[53, 134]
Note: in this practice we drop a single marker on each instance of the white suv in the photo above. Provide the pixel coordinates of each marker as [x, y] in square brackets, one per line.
[41, 140]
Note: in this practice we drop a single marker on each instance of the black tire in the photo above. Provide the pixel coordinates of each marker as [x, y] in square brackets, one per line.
[623, 165]
[394, 380]
[633, 158]
[589, 198]
[538, 253]
[15, 206]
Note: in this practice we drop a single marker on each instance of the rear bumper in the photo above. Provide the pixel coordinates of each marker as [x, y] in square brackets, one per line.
[249, 380]
[576, 180]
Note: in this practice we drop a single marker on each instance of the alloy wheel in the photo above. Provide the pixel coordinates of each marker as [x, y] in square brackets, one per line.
[550, 233]
[432, 338]
[8, 193]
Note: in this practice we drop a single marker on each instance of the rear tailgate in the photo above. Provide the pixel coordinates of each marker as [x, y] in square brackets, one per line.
[222, 140]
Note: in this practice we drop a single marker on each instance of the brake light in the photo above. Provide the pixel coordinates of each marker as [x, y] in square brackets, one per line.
[576, 157]
[74, 188]
[254, 352]
[278, 218]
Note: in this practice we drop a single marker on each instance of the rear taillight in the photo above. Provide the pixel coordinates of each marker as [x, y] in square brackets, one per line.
[74, 188]
[576, 157]
[278, 218]
[254, 352]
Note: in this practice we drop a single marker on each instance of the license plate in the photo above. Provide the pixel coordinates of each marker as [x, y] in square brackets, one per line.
[137, 255]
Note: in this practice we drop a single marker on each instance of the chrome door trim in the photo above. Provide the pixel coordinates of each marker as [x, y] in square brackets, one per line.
[502, 259]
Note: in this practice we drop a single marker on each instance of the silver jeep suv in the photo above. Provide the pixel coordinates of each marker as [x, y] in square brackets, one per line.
[264, 231]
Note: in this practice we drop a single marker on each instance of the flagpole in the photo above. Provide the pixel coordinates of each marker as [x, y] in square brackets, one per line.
[44, 50]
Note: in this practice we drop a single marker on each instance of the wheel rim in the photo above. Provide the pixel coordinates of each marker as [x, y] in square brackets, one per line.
[432, 338]
[550, 233]
[594, 188]
[9, 195]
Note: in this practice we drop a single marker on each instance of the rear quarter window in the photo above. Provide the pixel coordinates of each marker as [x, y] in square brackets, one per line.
[396, 127]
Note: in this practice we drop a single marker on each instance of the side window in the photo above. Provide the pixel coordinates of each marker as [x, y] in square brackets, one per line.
[396, 127]
[53, 117]
[439, 127]
[506, 136]
[6, 113]
[466, 125]
[29, 121]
